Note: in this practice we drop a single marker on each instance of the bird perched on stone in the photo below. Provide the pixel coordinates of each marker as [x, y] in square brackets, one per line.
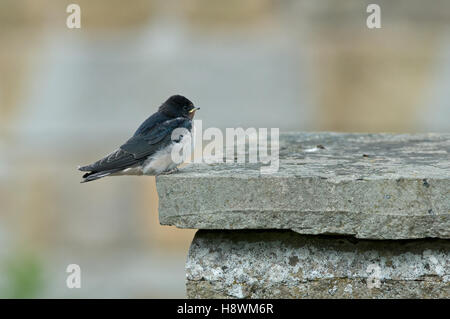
[148, 151]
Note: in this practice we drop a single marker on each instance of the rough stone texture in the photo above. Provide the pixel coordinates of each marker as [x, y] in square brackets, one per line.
[375, 186]
[284, 264]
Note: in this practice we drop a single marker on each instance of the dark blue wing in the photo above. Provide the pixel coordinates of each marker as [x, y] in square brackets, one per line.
[158, 137]
[152, 121]
[140, 146]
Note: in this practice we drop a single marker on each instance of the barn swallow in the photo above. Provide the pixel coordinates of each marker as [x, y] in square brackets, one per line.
[148, 151]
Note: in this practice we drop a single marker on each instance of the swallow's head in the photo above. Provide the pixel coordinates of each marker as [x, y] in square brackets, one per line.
[178, 106]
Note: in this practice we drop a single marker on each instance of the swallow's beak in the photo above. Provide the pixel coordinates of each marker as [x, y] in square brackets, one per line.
[193, 110]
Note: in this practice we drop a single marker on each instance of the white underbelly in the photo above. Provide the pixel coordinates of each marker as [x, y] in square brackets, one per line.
[163, 159]
[159, 162]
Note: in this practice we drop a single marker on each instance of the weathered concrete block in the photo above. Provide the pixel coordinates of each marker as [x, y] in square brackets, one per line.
[375, 186]
[284, 264]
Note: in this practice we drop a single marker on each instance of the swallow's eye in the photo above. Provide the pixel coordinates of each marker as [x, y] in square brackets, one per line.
[185, 107]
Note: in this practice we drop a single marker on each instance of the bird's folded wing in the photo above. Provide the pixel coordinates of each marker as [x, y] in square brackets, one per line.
[117, 159]
[159, 137]
[140, 146]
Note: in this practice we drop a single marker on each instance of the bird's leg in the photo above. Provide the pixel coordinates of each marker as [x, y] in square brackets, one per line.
[170, 171]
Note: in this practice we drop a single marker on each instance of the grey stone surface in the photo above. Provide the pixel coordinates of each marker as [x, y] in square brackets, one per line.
[375, 186]
[284, 264]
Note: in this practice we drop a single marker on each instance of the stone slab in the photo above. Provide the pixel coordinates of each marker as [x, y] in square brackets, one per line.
[374, 186]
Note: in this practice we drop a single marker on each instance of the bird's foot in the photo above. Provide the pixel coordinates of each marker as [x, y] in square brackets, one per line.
[170, 171]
